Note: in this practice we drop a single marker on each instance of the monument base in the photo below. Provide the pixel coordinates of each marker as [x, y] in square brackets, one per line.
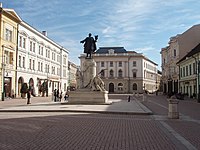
[88, 97]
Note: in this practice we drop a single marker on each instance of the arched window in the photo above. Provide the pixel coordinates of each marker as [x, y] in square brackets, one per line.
[111, 73]
[134, 86]
[120, 73]
[120, 87]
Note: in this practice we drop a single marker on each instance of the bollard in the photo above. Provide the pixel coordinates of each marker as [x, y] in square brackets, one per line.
[173, 108]
[137, 94]
[144, 96]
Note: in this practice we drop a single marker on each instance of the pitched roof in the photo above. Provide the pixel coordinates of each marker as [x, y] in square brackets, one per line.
[104, 50]
[12, 13]
[191, 53]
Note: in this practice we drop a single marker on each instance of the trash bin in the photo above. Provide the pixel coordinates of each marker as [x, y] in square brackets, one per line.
[173, 112]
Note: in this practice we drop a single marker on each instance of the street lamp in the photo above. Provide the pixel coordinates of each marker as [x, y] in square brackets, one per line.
[198, 98]
[3, 73]
[3, 81]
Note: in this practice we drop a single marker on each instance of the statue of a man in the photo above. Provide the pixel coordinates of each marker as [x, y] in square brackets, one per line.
[89, 45]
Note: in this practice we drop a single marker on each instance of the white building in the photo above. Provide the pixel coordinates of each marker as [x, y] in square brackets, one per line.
[125, 71]
[189, 68]
[39, 60]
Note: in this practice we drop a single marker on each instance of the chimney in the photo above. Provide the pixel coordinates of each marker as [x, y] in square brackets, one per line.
[1, 5]
[44, 33]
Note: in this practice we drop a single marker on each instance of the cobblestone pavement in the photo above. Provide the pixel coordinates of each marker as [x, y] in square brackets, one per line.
[84, 132]
[90, 131]
[187, 128]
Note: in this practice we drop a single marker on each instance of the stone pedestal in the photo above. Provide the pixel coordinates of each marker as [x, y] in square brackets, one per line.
[90, 86]
[88, 97]
[173, 109]
[89, 72]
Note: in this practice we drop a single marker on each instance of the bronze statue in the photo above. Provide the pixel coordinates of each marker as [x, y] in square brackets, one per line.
[89, 45]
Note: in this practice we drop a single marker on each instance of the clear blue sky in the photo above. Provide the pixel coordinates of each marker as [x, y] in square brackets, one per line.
[144, 26]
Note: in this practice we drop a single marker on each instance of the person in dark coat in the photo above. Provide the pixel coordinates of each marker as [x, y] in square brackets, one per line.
[129, 98]
[29, 97]
[60, 96]
[55, 95]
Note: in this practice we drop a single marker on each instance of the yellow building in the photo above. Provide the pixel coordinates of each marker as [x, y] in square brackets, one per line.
[9, 21]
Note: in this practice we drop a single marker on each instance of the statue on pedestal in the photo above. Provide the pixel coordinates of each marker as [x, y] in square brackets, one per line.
[90, 87]
[89, 45]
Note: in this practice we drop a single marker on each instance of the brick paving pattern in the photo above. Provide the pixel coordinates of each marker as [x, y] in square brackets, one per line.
[189, 130]
[84, 131]
[98, 132]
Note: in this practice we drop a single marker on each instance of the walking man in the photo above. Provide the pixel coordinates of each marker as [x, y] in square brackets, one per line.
[29, 97]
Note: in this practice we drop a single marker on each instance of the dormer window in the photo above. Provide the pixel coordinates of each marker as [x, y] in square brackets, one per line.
[111, 51]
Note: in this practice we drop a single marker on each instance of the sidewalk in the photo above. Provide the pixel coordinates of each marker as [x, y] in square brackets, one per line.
[45, 104]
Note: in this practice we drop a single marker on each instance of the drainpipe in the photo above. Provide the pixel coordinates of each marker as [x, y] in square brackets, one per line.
[16, 83]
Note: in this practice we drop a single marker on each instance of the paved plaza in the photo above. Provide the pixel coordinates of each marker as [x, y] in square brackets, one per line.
[140, 125]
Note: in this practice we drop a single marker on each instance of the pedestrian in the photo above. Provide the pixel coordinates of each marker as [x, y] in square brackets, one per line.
[66, 96]
[55, 95]
[58, 93]
[60, 96]
[28, 97]
[129, 98]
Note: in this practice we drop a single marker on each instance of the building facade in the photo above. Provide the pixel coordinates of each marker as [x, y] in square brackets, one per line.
[178, 47]
[189, 68]
[9, 21]
[125, 71]
[72, 69]
[42, 63]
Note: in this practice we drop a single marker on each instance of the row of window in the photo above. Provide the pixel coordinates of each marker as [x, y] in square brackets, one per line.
[120, 73]
[119, 64]
[32, 48]
[21, 64]
[150, 67]
[120, 87]
[188, 70]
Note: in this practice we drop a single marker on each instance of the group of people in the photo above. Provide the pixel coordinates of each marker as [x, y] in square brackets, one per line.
[58, 95]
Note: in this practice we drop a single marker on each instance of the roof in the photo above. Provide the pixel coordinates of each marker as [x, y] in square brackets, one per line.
[104, 50]
[191, 53]
[12, 13]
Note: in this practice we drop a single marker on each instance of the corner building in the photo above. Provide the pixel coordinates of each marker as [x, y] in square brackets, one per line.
[40, 61]
[125, 71]
[9, 21]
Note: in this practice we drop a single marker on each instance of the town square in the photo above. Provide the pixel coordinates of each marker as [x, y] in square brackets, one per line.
[94, 75]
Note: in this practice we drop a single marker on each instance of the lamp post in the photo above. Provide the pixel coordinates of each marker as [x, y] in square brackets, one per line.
[156, 84]
[198, 79]
[3, 73]
[3, 82]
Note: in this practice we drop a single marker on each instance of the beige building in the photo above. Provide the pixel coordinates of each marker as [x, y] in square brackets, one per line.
[9, 21]
[72, 68]
[125, 71]
[178, 47]
[189, 67]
